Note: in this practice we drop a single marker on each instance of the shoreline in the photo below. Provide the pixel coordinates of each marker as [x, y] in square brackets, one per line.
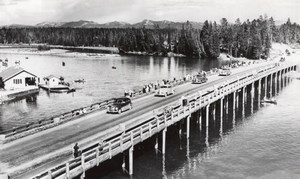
[54, 52]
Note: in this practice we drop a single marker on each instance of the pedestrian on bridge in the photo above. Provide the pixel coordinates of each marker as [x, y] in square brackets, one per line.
[76, 151]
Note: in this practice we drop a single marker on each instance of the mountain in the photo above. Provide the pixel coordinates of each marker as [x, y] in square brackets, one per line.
[149, 24]
[50, 24]
[115, 24]
[80, 24]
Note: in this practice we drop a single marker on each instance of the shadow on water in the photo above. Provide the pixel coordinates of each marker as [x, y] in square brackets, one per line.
[183, 155]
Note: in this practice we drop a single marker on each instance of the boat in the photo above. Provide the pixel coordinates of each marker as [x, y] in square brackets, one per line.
[55, 89]
[114, 67]
[71, 90]
[63, 64]
[79, 81]
[26, 57]
[270, 101]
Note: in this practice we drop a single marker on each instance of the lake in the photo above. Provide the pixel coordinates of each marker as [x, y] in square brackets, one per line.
[102, 82]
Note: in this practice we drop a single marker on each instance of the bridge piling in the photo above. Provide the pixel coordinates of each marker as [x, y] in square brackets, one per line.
[259, 92]
[226, 107]
[207, 116]
[131, 160]
[243, 101]
[188, 119]
[271, 86]
[164, 141]
[252, 96]
[233, 107]
[266, 86]
[214, 111]
[200, 119]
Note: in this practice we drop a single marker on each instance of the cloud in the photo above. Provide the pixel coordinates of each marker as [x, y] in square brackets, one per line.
[35, 11]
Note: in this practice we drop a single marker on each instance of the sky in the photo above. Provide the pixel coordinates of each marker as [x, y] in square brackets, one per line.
[31, 12]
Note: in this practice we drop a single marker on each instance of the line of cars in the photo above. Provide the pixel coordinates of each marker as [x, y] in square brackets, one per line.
[125, 103]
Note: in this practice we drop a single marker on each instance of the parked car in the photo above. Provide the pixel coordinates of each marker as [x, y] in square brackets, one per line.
[120, 105]
[165, 90]
[225, 73]
[199, 78]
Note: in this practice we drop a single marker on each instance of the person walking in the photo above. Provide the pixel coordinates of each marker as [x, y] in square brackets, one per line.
[76, 150]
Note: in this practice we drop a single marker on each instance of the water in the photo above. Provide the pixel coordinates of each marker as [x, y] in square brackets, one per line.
[102, 82]
[264, 144]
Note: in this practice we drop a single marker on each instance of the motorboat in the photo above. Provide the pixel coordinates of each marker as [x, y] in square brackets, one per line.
[270, 100]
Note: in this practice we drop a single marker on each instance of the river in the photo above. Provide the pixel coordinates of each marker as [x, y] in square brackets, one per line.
[102, 82]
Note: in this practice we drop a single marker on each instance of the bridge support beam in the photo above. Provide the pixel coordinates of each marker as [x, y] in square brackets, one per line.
[130, 172]
[226, 107]
[164, 132]
[188, 119]
[266, 86]
[207, 115]
[200, 119]
[252, 96]
[221, 108]
[259, 92]
[233, 107]
[275, 83]
[271, 86]
[243, 101]
[214, 111]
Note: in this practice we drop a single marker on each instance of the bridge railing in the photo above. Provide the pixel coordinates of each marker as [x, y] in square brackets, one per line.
[56, 120]
[108, 148]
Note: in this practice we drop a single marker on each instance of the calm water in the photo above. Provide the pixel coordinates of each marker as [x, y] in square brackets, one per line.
[102, 82]
[264, 145]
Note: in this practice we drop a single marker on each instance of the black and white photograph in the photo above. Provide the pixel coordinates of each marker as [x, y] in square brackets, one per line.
[149, 89]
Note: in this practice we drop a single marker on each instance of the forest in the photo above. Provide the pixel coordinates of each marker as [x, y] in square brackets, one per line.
[251, 39]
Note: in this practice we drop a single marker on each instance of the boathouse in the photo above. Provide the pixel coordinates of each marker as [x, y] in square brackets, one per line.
[52, 81]
[16, 77]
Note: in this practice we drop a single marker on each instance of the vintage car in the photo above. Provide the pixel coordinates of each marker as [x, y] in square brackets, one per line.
[224, 73]
[120, 105]
[199, 78]
[165, 90]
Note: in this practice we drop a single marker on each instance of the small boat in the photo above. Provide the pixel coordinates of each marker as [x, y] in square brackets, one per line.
[26, 57]
[271, 101]
[79, 81]
[114, 67]
[17, 62]
[71, 90]
[63, 64]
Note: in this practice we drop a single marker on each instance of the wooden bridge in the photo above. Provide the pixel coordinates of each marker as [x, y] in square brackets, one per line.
[203, 101]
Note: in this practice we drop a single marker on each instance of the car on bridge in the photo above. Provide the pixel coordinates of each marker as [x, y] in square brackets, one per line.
[226, 72]
[165, 90]
[199, 78]
[120, 105]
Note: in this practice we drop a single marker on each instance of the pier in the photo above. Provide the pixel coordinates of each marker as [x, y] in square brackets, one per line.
[50, 152]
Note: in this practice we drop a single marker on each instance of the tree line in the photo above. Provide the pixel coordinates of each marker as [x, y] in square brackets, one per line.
[251, 39]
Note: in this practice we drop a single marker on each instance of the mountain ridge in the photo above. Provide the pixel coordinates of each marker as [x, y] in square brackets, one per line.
[146, 23]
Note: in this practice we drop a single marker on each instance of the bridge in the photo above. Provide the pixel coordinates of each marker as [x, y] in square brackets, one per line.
[101, 136]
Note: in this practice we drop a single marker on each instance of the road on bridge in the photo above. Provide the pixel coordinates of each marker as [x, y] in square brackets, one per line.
[53, 146]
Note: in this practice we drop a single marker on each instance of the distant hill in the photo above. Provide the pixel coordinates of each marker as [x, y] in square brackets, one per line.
[149, 24]
[165, 24]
